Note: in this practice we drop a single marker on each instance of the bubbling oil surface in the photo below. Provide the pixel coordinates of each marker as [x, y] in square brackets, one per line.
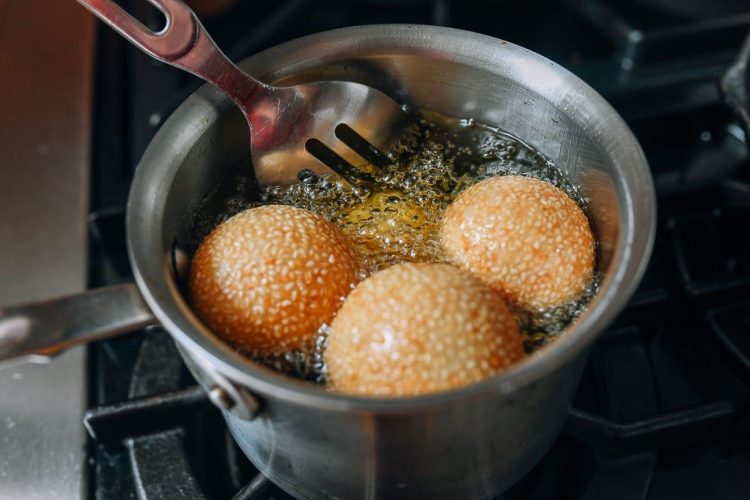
[397, 217]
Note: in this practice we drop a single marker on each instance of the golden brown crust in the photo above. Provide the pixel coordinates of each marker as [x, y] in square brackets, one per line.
[420, 328]
[524, 237]
[267, 278]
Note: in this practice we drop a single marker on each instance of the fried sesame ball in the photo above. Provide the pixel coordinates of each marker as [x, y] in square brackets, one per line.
[419, 328]
[267, 278]
[524, 237]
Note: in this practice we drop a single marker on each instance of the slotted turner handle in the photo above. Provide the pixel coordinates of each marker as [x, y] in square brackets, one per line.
[182, 43]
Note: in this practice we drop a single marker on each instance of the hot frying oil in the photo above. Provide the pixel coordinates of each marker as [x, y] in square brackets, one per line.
[397, 217]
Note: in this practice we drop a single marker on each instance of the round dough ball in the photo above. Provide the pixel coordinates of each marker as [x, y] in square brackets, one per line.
[524, 237]
[267, 278]
[419, 328]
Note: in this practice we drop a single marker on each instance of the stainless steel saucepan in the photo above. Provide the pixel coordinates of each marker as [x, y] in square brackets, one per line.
[472, 442]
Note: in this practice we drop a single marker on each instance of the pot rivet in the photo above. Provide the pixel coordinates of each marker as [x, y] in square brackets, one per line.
[220, 398]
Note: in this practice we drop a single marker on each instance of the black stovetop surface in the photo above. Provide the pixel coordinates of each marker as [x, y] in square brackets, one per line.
[662, 411]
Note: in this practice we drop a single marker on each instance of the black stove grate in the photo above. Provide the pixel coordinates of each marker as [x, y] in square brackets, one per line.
[663, 408]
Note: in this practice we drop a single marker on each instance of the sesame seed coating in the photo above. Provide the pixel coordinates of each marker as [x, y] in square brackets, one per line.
[524, 237]
[268, 277]
[418, 328]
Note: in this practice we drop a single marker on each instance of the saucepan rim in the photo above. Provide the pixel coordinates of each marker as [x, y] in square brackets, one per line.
[161, 161]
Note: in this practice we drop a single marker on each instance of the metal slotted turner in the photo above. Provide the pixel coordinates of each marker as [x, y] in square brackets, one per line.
[341, 124]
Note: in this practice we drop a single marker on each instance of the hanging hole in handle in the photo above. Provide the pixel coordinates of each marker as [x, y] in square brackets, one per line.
[16, 330]
[13, 330]
[146, 13]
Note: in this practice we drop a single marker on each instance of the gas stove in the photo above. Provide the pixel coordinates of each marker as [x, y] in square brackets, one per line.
[663, 410]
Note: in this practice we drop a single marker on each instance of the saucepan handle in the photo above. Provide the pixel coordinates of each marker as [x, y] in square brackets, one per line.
[39, 330]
